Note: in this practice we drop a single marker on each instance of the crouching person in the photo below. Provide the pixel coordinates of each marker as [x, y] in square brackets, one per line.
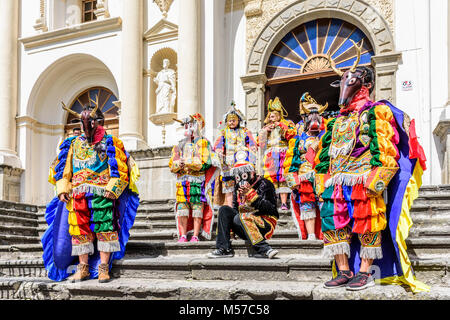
[253, 216]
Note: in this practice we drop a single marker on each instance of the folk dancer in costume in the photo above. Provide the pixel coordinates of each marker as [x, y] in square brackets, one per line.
[234, 144]
[274, 139]
[196, 167]
[252, 217]
[97, 200]
[299, 172]
[368, 172]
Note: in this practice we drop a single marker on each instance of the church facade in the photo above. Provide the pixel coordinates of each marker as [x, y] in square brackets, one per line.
[149, 61]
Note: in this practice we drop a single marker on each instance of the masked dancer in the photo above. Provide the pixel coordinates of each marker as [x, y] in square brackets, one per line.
[368, 171]
[252, 217]
[96, 202]
[299, 171]
[196, 167]
[234, 144]
[274, 140]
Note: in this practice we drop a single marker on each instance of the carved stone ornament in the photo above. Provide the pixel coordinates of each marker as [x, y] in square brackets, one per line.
[164, 6]
[317, 64]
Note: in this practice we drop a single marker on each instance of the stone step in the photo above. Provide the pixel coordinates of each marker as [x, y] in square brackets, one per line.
[171, 234]
[434, 189]
[9, 220]
[10, 205]
[204, 290]
[18, 213]
[12, 239]
[18, 230]
[198, 267]
[16, 247]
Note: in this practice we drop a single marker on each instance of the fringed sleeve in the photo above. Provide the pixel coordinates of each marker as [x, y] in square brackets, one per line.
[322, 160]
[202, 156]
[288, 130]
[118, 167]
[174, 162]
[384, 135]
[63, 168]
[292, 164]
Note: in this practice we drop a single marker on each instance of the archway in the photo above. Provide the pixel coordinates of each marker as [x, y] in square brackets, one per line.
[357, 13]
[42, 128]
[299, 62]
[106, 101]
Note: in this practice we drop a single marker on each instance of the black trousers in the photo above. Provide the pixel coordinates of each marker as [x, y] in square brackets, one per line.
[229, 221]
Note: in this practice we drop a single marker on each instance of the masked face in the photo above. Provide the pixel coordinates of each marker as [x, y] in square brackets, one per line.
[190, 128]
[244, 179]
[312, 123]
[89, 125]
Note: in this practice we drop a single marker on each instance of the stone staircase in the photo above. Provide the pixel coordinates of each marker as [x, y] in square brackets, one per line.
[157, 267]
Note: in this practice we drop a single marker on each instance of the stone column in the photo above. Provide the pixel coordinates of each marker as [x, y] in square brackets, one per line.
[131, 120]
[189, 38]
[386, 65]
[254, 85]
[10, 165]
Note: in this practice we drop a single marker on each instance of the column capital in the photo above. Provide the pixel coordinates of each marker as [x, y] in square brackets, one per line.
[254, 81]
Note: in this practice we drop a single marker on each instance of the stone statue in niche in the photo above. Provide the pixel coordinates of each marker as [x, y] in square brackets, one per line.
[166, 92]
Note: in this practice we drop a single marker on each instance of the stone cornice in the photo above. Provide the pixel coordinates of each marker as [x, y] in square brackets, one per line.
[72, 32]
[153, 153]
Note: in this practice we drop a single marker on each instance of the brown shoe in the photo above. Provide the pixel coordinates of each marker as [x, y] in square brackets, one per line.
[81, 274]
[103, 273]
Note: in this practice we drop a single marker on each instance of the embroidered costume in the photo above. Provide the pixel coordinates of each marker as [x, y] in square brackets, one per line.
[369, 153]
[234, 145]
[275, 143]
[85, 170]
[299, 172]
[253, 216]
[196, 167]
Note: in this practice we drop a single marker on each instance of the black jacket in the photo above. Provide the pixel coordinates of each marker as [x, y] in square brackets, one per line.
[266, 203]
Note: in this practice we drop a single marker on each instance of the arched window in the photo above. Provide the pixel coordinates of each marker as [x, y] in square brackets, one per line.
[304, 50]
[106, 101]
[299, 63]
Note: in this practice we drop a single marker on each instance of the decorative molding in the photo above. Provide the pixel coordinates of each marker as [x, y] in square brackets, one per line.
[39, 127]
[153, 153]
[41, 22]
[71, 33]
[102, 11]
[253, 8]
[163, 31]
[280, 16]
[164, 6]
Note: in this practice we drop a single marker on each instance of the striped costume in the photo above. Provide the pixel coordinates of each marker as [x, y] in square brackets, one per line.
[194, 190]
[275, 145]
[368, 172]
[86, 172]
[234, 145]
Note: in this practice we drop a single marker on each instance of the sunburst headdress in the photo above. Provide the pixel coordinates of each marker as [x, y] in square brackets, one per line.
[307, 103]
[275, 105]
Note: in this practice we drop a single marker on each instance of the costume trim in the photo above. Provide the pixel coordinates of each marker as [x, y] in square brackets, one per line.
[330, 250]
[80, 249]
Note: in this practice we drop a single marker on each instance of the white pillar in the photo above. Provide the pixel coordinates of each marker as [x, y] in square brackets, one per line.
[131, 120]
[189, 57]
[9, 24]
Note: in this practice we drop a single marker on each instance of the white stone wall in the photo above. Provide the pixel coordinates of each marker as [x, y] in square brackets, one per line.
[421, 35]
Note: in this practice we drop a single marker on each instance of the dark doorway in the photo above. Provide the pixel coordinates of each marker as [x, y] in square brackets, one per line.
[289, 94]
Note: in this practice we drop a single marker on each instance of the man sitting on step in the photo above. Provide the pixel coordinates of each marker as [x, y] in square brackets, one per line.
[253, 216]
